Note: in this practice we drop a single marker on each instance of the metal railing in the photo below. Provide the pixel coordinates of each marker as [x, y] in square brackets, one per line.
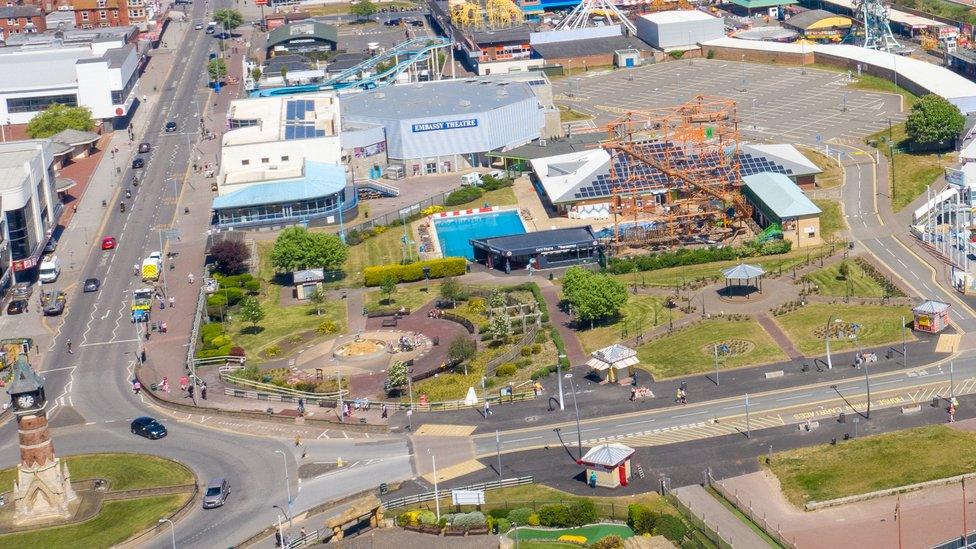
[201, 309]
[430, 496]
[514, 352]
[746, 509]
[271, 389]
[310, 538]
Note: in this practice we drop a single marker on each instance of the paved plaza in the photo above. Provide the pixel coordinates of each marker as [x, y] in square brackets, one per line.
[775, 103]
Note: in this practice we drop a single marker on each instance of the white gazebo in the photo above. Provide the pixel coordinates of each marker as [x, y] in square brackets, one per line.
[608, 465]
[613, 358]
[743, 272]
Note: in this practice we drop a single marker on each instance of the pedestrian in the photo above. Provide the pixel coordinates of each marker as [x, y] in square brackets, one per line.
[677, 395]
[136, 386]
[74, 208]
[189, 392]
[385, 412]
[184, 381]
[952, 413]
[633, 394]
[593, 479]
[164, 385]
[203, 391]
[302, 533]
[298, 440]
[488, 411]
[172, 302]
[278, 538]
[68, 345]
[189, 278]
[142, 356]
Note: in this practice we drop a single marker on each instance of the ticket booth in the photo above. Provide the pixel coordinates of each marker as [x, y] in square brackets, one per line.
[931, 317]
[608, 465]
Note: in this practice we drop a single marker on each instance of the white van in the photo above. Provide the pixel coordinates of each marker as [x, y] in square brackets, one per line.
[50, 269]
[469, 179]
[498, 174]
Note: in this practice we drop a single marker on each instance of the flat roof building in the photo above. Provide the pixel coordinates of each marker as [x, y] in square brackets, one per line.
[819, 24]
[679, 29]
[778, 201]
[302, 37]
[540, 249]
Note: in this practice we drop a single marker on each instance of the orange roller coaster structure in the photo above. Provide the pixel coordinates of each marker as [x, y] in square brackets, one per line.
[675, 173]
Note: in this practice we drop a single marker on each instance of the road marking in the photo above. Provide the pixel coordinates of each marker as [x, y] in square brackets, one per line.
[520, 440]
[110, 342]
[691, 414]
[59, 369]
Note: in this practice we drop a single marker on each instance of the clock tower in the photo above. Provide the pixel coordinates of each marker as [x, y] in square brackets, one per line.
[43, 488]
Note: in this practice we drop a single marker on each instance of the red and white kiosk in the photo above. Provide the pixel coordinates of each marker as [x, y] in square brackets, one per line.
[608, 465]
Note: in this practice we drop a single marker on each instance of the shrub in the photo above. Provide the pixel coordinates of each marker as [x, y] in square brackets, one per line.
[520, 515]
[503, 525]
[526, 351]
[534, 519]
[499, 513]
[327, 327]
[473, 519]
[694, 256]
[523, 362]
[710, 54]
[217, 300]
[231, 256]
[219, 341]
[569, 538]
[536, 348]
[427, 517]
[670, 527]
[677, 54]
[211, 330]
[272, 351]
[463, 196]
[636, 512]
[431, 210]
[237, 351]
[477, 305]
[439, 268]
[612, 541]
[505, 370]
[252, 286]
[554, 515]
[582, 511]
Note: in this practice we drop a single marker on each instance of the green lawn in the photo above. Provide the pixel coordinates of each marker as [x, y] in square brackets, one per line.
[832, 175]
[642, 312]
[117, 521]
[832, 218]
[411, 297]
[868, 464]
[680, 275]
[129, 471]
[568, 114]
[280, 321]
[592, 533]
[386, 247]
[913, 171]
[858, 283]
[874, 83]
[880, 324]
[499, 197]
[689, 350]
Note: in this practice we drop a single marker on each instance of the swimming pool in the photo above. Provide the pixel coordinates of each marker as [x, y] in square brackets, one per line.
[455, 232]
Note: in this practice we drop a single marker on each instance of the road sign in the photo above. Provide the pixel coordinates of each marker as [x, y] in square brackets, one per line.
[260, 2]
[467, 497]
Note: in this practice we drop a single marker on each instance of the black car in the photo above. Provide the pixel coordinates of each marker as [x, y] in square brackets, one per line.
[17, 306]
[148, 427]
[138, 162]
[92, 285]
[393, 22]
[417, 23]
[222, 35]
[144, 147]
[170, 126]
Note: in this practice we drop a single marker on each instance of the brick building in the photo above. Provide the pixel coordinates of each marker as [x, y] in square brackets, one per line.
[18, 19]
[92, 14]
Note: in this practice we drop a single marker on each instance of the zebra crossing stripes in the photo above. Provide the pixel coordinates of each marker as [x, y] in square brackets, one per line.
[691, 431]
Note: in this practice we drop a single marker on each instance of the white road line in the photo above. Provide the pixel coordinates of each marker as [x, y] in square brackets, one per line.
[110, 342]
[520, 440]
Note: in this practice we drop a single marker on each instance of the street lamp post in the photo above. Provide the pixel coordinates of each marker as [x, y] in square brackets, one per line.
[579, 433]
[172, 530]
[830, 320]
[284, 458]
[559, 379]
[281, 533]
[437, 494]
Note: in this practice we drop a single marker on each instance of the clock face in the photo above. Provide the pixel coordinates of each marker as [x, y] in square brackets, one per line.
[25, 401]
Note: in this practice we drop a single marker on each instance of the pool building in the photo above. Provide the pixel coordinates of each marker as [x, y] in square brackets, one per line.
[539, 250]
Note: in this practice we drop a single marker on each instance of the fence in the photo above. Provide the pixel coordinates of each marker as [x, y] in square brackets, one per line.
[747, 510]
[698, 522]
[468, 325]
[191, 347]
[396, 503]
[402, 213]
[268, 390]
[514, 352]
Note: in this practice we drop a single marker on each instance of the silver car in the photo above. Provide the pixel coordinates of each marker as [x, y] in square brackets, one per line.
[216, 494]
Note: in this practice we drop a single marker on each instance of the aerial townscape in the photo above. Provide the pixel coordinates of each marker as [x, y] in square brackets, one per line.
[473, 274]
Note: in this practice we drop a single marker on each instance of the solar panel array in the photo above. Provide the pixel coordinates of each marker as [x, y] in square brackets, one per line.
[645, 178]
[296, 127]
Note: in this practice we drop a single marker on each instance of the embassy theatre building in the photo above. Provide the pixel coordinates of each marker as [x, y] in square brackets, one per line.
[443, 126]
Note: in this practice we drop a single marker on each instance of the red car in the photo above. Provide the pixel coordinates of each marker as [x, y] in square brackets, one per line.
[108, 243]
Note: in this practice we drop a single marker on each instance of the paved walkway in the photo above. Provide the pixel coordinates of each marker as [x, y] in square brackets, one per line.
[563, 322]
[719, 518]
[779, 336]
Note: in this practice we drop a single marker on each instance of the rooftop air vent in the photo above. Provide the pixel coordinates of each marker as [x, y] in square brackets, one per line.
[379, 95]
[464, 103]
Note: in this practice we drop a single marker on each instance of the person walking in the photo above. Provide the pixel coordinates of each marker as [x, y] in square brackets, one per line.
[136, 386]
[203, 391]
[385, 413]
[302, 533]
[172, 302]
[164, 385]
[68, 346]
[189, 278]
[189, 392]
[184, 381]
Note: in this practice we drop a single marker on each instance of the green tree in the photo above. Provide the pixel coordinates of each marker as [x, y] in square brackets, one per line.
[498, 327]
[593, 297]
[229, 19]
[217, 68]
[251, 311]
[363, 9]
[451, 289]
[934, 120]
[496, 298]
[256, 74]
[388, 287]
[396, 375]
[296, 249]
[57, 117]
[284, 74]
[844, 270]
[318, 298]
[461, 348]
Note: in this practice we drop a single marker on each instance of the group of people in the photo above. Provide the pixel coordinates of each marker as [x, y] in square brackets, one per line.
[641, 393]
[163, 386]
[681, 394]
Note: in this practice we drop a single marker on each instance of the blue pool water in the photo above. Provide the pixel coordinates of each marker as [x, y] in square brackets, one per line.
[455, 232]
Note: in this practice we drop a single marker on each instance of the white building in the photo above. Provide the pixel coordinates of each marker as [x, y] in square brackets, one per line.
[280, 162]
[29, 207]
[101, 76]
[679, 29]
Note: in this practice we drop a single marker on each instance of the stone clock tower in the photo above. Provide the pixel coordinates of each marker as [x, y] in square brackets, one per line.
[43, 488]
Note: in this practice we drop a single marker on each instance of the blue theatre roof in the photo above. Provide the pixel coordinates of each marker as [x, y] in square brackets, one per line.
[321, 179]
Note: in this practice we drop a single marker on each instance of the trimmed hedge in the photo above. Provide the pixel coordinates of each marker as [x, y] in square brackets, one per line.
[463, 196]
[695, 256]
[439, 268]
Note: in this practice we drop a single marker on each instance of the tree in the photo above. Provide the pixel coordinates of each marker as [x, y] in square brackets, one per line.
[396, 374]
[461, 348]
[844, 270]
[498, 327]
[363, 9]
[388, 287]
[217, 68]
[296, 249]
[451, 289]
[934, 120]
[229, 19]
[318, 298]
[251, 311]
[231, 256]
[496, 298]
[57, 117]
[594, 297]
[256, 74]
[284, 74]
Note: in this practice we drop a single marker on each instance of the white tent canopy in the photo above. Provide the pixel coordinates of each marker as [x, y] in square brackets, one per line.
[616, 356]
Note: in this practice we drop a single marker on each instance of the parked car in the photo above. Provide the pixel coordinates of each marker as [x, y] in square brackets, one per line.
[148, 427]
[53, 302]
[393, 22]
[216, 494]
[17, 306]
[52, 244]
[22, 290]
[144, 147]
[109, 243]
[223, 35]
[198, 26]
[170, 126]
[138, 162]
[92, 285]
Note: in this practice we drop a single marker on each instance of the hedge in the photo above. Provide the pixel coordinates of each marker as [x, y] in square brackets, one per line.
[463, 196]
[695, 256]
[439, 268]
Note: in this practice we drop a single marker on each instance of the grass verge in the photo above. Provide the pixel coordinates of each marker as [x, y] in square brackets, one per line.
[690, 350]
[868, 464]
[568, 114]
[386, 247]
[129, 471]
[498, 197]
[831, 218]
[880, 324]
[913, 171]
[117, 521]
[832, 175]
[857, 283]
[592, 533]
[410, 297]
[641, 312]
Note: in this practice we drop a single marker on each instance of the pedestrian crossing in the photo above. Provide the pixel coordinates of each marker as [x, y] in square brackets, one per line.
[948, 343]
[693, 431]
[445, 430]
[454, 471]
[963, 387]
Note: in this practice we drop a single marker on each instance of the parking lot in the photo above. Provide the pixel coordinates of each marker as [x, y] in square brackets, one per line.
[775, 103]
